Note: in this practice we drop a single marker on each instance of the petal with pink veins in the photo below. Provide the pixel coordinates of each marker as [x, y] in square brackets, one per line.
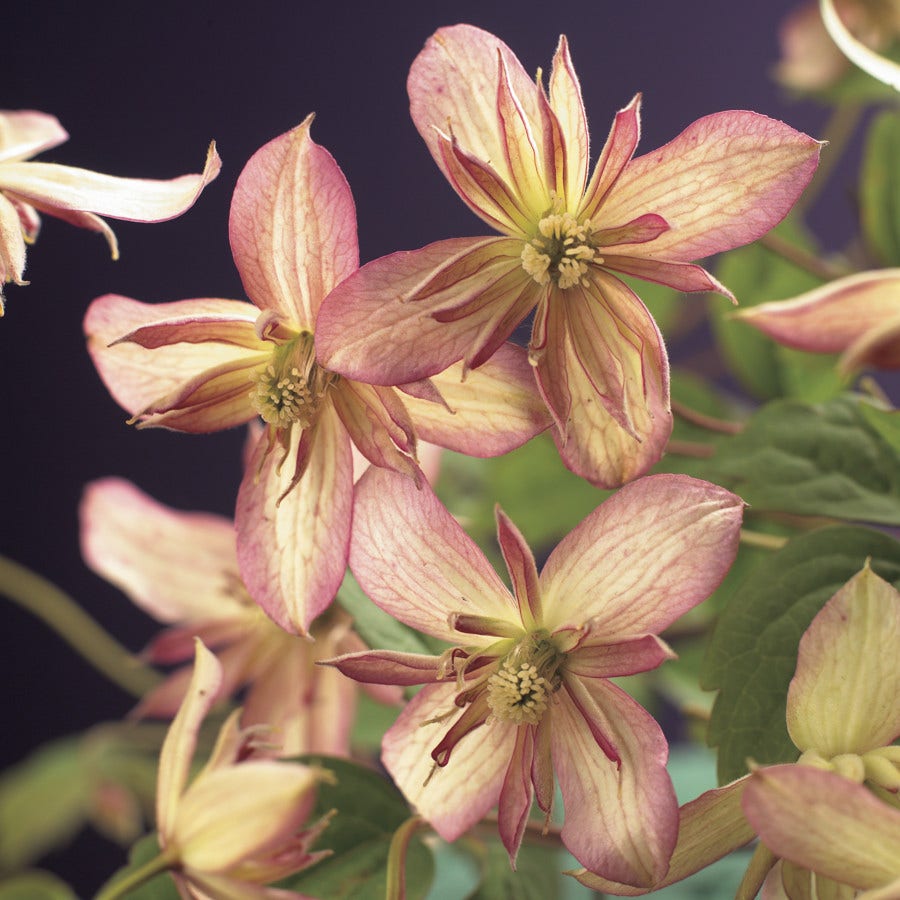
[598, 657]
[621, 820]
[644, 557]
[723, 182]
[387, 667]
[415, 561]
[568, 107]
[26, 132]
[293, 553]
[517, 794]
[293, 226]
[523, 572]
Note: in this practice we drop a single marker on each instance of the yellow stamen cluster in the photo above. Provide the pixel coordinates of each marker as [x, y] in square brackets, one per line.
[562, 251]
[292, 386]
[880, 767]
[521, 687]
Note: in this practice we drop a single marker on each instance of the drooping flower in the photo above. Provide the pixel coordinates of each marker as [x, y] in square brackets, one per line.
[518, 157]
[202, 365]
[239, 824]
[77, 196]
[842, 715]
[886, 15]
[828, 824]
[526, 689]
[181, 568]
[857, 316]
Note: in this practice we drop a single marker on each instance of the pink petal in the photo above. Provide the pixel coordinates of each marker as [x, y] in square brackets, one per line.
[137, 377]
[825, 822]
[522, 569]
[293, 226]
[174, 565]
[621, 820]
[25, 133]
[293, 553]
[724, 181]
[387, 667]
[496, 409]
[378, 325]
[415, 561]
[598, 657]
[567, 105]
[516, 794]
[452, 87]
[681, 276]
[843, 697]
[637, 231]
[652, 551]
[604, 374]
[452, 798]
[710, 827]
[181, 740]
[831, 318]
[52, 187]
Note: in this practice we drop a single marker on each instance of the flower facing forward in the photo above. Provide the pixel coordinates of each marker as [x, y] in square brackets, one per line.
[203, 365]
[239, 824]
[518, 157]
[181, 568]
[77, 196]
[857, 316]
[525, 690]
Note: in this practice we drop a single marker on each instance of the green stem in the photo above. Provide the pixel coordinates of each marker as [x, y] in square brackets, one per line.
[396, 864]
[711, 423]
[803, 259]
[55, 608]
[760, 539]
[122, 886]
[762, 860]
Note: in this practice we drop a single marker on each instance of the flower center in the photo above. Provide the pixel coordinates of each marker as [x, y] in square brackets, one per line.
[561, 252]
[291, 387]
[520, 689]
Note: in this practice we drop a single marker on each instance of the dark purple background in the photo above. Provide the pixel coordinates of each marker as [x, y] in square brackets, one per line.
[142, 88]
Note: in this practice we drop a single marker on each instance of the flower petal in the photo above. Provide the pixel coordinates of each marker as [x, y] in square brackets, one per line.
[880, 67]
[452, 798]
[26, 132]
[387, 667]
[293, 226]
[523, 574]
[843, 697]
[567, 105]
[516, 794]
[415, 561]
[292, 548]
[496, 409]
[724, 181]
[597, 657]
[378, 325]
[181, 740]
[12, 246]
[52, 187]
[621, 819]
[710, 827]
[602, 572]
[175, 565]
[825, 822]
[604, 374]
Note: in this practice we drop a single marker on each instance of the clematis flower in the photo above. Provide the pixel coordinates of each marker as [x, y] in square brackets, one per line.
[239, 824]
[885, 17]
[77, 196]
[181, 568]
[830, 825]
[206, 364]
[842, 715]
[518, 157]
[857, 316]
[525, 691]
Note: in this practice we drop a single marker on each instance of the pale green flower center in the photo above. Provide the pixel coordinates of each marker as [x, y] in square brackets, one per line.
[521, 687]
[879, 767]
[561, 252]
[292, 386]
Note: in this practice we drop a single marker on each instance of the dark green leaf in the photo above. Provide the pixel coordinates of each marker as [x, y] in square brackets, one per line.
[536, 876]
[880, 189]
[753, 652]
[885, 421]
[817, 460]
[35, 886]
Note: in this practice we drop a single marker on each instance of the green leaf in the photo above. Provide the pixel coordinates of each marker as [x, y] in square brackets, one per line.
[160, 887]
[880, 188]
[816, 460]
[536, 876]
[666, 305]
[885, 421]
[369, 810]
[756, 274]
[753, 652]
[35, 886]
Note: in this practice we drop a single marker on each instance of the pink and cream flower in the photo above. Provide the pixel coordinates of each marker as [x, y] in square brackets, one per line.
[76, 196]
[181, 568]
[525, 691]
[206, 364]
[517, 155]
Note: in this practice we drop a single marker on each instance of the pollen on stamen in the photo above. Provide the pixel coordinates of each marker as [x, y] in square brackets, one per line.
[561, 252]
[517, 693]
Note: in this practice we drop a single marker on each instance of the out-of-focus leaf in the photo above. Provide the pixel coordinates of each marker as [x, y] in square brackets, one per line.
[816, 460]
[885, 421]
[35, 886]
[670, 308]
[369, 810]
[880, 189]
[161, 887]
[753, 652]
[536, 876]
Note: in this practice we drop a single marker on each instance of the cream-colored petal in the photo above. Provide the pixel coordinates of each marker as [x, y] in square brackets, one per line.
[880, 67]
[26, 132]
